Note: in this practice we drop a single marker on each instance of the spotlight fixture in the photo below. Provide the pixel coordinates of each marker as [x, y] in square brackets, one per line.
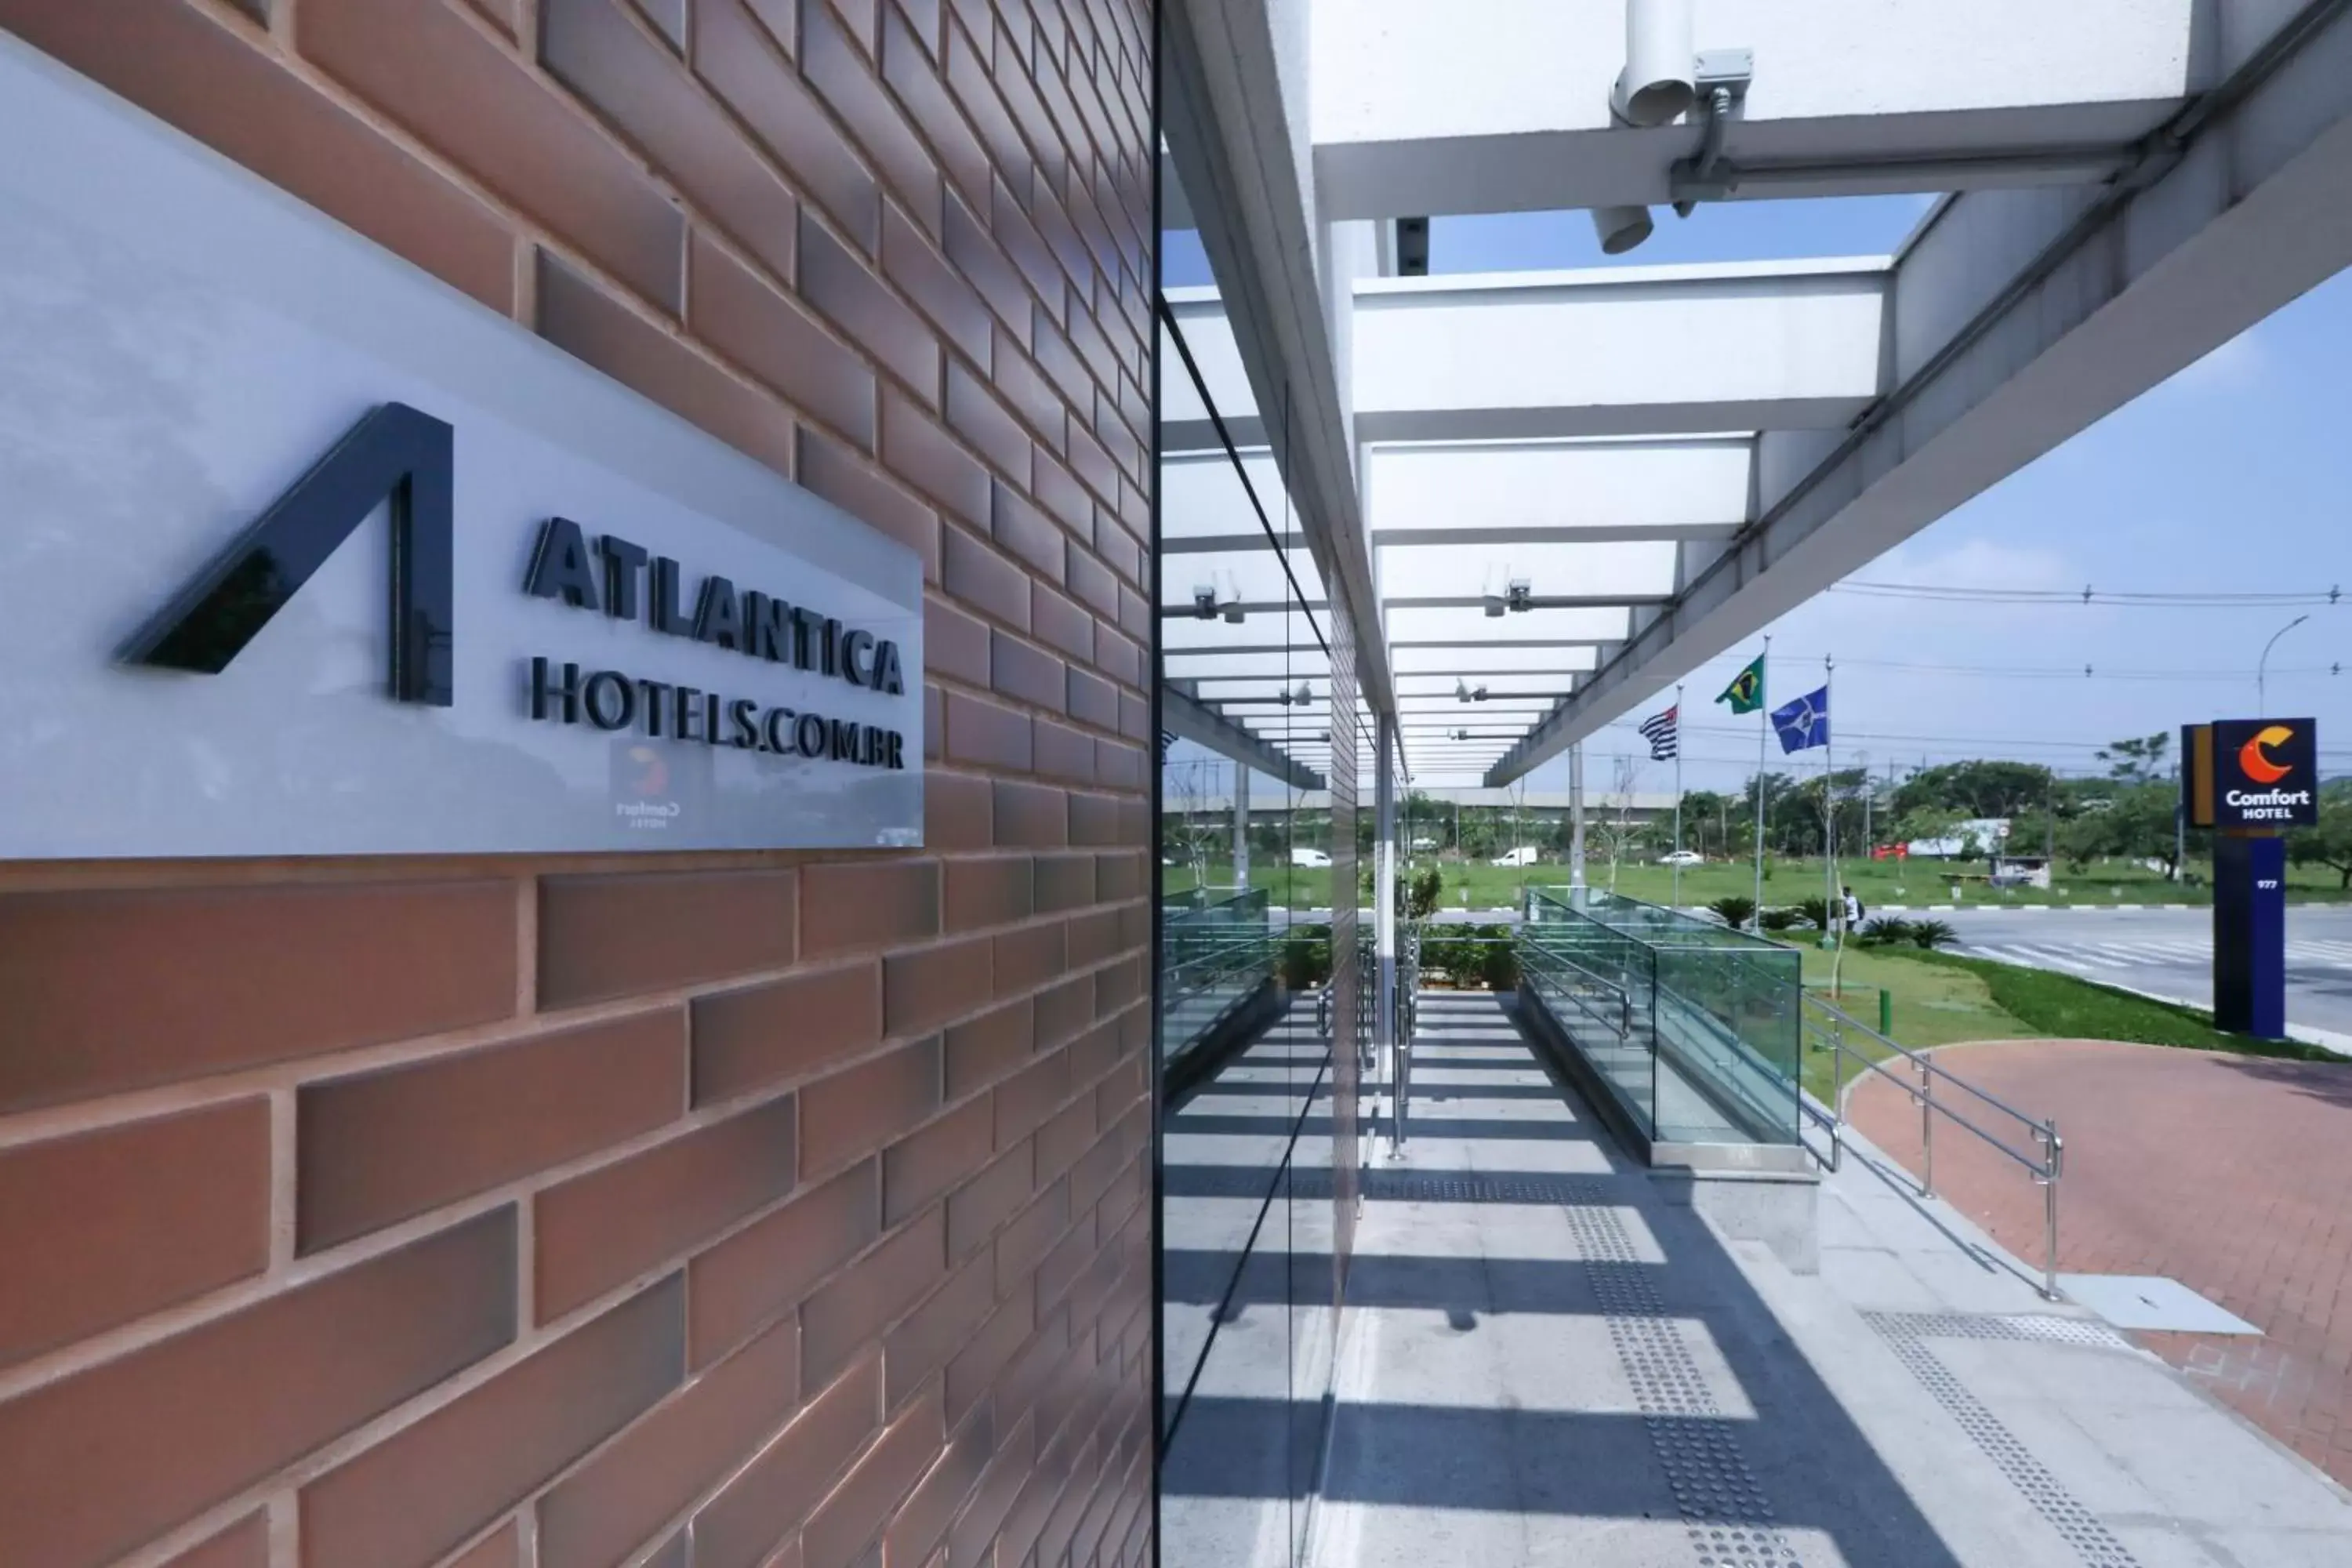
[1461, 690]
[1494, 605]
[1233, 616]
[1620, 229]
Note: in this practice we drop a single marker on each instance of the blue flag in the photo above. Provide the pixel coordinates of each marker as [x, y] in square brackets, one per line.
[1804, 724]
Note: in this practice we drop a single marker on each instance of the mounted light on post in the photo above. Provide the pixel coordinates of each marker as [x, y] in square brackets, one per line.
[1522, 596]
[1204, 602]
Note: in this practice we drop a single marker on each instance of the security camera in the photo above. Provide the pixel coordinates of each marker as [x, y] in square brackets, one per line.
[1522, 595]
[1204, 602]
[1655, 87]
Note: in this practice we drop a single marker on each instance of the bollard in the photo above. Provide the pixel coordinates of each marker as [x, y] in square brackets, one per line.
[1887, 1012]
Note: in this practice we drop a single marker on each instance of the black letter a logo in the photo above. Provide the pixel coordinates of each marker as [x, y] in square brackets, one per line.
[395, 452]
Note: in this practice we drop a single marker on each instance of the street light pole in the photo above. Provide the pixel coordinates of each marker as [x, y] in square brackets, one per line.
[2261, 664]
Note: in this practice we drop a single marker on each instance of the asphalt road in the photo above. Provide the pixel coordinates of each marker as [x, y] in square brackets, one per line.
[2168, 951]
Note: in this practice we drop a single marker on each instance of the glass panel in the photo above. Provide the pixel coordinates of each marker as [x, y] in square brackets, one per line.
[1695, 1028]
[1246, 1006]
[1259, 974]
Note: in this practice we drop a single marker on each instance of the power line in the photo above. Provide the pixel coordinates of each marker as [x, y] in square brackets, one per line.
[2088, 595]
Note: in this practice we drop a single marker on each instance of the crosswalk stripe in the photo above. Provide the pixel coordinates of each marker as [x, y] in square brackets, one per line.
[2042, 957]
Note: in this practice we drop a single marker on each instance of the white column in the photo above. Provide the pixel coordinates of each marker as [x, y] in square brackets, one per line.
[1241, 825]
[1384, 910]
[1576, 817]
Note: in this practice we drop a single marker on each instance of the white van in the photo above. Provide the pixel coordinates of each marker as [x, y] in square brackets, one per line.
[1524, 855]
[1312, 859]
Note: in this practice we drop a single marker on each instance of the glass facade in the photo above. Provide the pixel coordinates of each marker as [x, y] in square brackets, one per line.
[1264, 1017]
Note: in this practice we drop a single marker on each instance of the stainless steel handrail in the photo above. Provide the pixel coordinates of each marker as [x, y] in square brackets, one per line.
[2046, 1170]
[1624, 997]
[1408, 1013]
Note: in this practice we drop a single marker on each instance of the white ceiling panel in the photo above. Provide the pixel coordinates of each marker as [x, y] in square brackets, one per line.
[1637, 568]
[1413, 624]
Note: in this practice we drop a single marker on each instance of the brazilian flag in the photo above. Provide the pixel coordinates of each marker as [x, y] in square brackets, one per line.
[1746, 693]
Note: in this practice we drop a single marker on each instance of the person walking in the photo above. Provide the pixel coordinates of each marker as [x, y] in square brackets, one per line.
[1852, 910]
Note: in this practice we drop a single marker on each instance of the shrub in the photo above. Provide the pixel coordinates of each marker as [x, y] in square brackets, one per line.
[1733, 909]
[1306, 957]
[1776, 919]
[1933, 933]
[1422, 894]
[1886, 931]
[1816, 913]
[1501, 968]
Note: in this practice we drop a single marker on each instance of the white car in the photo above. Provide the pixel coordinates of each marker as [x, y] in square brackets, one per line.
[1312, 859]
[1682, 857]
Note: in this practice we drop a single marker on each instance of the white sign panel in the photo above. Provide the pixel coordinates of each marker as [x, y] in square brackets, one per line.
[302, 552]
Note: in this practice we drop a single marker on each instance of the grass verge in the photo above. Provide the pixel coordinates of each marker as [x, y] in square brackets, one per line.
[2067, 1007]
[1929, 1007]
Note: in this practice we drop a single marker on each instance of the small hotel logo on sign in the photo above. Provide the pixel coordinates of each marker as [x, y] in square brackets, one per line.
[2251, 772]
[394, 453]
[400, 455]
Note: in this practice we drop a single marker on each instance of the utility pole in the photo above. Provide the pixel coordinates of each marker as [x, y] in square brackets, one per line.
[1869, 845]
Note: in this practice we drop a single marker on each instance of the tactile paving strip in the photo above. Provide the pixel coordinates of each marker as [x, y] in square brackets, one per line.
[1906, 1333]
[1408, 1186]
[1723, 1505]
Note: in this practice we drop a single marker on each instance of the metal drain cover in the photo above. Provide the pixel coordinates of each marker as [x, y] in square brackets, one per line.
[2151, 1302]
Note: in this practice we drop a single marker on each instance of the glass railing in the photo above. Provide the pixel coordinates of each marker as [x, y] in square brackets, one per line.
[1219, 948]
[1695, 1028]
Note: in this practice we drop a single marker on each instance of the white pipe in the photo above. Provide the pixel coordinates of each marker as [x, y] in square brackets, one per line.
[1620, 228]
[1654, 87]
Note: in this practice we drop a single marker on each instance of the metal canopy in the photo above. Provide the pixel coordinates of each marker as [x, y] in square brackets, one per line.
[1572, 487]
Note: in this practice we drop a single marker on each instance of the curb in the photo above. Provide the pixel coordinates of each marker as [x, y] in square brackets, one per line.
[2028, 909]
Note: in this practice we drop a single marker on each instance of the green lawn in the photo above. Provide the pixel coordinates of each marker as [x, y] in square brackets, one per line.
[1928, 1006]
[1941, 999]
[1878, 882]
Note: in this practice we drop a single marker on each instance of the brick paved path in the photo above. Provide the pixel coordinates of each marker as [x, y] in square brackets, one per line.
[2232, 1175]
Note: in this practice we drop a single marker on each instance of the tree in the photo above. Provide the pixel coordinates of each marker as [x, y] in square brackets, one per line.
[2142, 760]
[1976, 789]
[2330, 843]
[2137, 824]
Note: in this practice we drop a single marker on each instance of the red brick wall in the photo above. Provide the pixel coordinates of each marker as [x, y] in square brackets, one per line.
[721, 1210]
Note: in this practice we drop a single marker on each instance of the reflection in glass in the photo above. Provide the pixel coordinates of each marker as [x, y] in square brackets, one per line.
[1258, 977]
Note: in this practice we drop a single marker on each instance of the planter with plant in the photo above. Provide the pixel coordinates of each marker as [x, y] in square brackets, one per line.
[1733, 909]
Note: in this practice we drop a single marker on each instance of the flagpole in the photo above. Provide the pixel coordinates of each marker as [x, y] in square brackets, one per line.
[1678, 796]
[1829, 829]
[1835, 908]
[1763, 734]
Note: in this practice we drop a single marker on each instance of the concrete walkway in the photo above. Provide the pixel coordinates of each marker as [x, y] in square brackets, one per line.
[1547, 1360]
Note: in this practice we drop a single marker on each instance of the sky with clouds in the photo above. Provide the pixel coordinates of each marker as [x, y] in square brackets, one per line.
[2232, 476]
